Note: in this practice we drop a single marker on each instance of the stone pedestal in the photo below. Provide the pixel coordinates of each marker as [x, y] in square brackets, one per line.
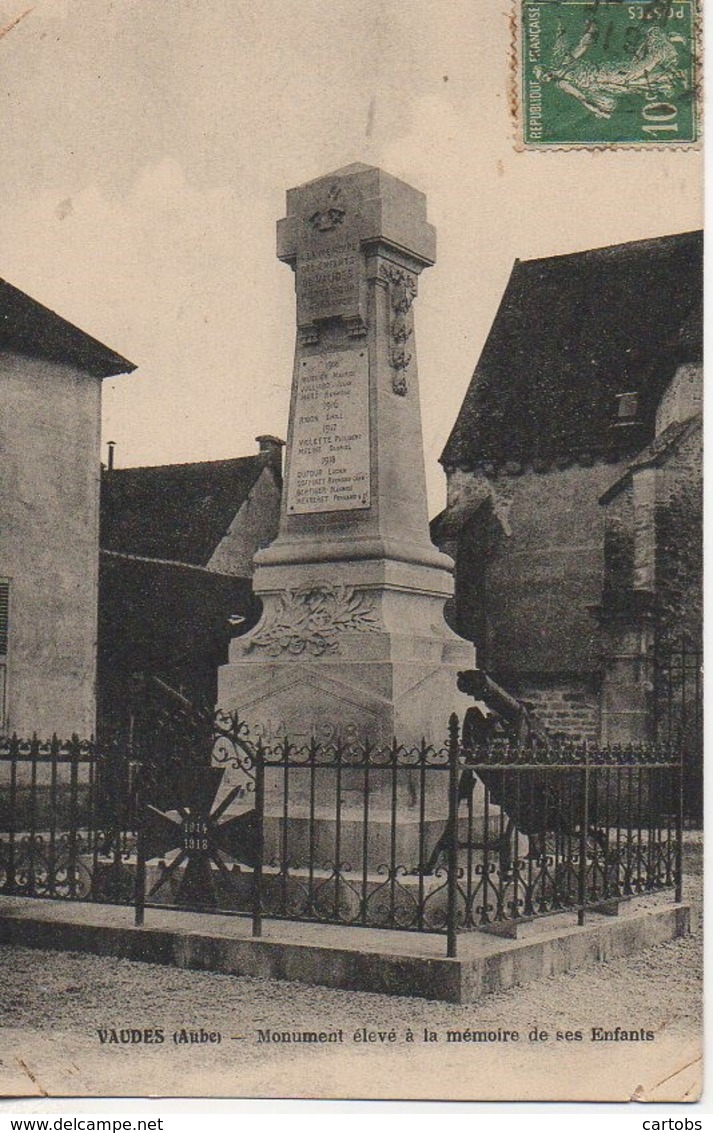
[352, 640]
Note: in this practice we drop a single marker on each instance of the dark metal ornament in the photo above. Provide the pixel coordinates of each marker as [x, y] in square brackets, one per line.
[203, 841]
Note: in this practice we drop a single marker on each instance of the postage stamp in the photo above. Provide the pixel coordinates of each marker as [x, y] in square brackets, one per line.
[608, 73]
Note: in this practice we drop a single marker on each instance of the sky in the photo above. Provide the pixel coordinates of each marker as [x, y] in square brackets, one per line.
[147, 147]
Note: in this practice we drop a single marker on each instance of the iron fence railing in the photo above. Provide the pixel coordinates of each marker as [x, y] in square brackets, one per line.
[67, 824]
[561, 828]
[419, 839]
[678, 717]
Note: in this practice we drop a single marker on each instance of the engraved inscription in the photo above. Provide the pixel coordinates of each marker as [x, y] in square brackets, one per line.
[328, 282]
[329, 458]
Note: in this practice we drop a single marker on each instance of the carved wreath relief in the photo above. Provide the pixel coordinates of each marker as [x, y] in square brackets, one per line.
[310, 619]
[402, 292]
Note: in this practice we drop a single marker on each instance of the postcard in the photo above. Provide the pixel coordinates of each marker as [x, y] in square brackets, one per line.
[351, 557]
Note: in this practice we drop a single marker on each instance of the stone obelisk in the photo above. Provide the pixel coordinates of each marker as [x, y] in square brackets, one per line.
[352, 638]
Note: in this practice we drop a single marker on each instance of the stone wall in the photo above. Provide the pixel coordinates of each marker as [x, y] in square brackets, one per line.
[653, 539]
[541, 569]
[683, 397]
[652, 594]
[619, 545]
[568, 706]
[679, 542]
[49, 517]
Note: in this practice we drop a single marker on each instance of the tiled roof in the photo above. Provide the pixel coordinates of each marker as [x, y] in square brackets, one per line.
[573, 332]
[155, 617]
[29, 328]
[176, 512]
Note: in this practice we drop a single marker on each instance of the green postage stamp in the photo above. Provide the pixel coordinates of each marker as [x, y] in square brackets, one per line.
[608, 73]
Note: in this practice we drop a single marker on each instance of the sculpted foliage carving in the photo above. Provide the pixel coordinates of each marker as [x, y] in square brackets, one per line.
[311, 618]
[402, 292]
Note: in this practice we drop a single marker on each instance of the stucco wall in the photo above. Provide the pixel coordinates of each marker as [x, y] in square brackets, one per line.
[49, 518]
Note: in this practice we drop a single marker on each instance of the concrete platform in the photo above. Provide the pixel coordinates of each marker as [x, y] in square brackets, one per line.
[383, 961]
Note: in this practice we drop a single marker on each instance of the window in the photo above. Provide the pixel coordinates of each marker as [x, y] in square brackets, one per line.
[627, 406]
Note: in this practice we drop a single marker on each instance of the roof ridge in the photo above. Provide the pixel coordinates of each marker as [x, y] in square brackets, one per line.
[633, 244]
[255, 456]
[128, 556]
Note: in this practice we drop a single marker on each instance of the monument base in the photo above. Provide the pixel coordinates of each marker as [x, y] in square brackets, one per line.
[371, 659]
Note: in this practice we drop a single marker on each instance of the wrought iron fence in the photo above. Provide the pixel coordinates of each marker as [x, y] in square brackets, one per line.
[576, 828]
[200, 829]
[66, 819]
[678, 712]
[420, 839]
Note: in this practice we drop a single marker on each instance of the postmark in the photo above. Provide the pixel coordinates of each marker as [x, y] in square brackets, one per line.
[607, 73]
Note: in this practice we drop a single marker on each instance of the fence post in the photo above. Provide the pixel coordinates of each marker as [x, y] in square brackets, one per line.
[260, 832]
[10, 879]
[582, 886]
[678, 779]
[73, 844]
[140, 878]
[453, 751]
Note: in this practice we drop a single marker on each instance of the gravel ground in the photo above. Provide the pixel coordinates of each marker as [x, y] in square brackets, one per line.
[54, 1004]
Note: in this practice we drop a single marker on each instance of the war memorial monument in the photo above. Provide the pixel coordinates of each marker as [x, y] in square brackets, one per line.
[352, 639]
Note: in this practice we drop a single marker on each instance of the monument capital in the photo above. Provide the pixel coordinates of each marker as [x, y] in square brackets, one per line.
[337, 229]
[358, 203]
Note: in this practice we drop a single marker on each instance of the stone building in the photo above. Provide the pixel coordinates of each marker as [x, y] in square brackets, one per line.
[49, 517]
[573, 472]
[177, 544]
